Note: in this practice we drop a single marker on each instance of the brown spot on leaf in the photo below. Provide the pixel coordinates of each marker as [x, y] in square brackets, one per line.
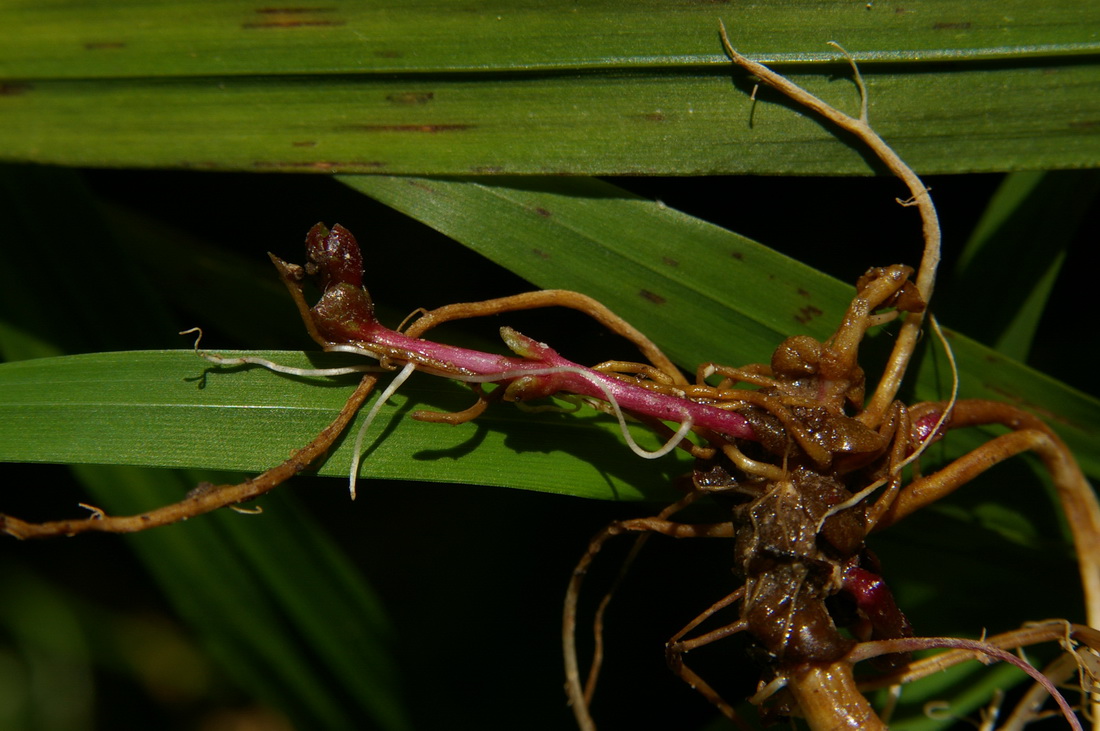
[292, 24]
[652, 297]
[737, 255]
[14, 88]
[541, 254]
[803, 293]
[654, 117]
[669, 261]
[1086, 124]
[944, 25]
[421, 186]
[294, 10]
[292, 17]
[807, 313]
[428, 128]
[543, 212]
[410, 97]
[326, 166]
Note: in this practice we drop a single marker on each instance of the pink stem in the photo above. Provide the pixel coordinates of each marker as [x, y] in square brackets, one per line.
[566, 376]
[344, 318]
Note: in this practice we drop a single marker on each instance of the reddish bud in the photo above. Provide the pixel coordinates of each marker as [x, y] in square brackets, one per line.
[334, 256]
[924, 427]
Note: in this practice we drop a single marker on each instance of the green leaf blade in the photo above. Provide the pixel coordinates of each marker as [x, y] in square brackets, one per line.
[649, 122]
[190, 38]
[148, 409]
[612, 88]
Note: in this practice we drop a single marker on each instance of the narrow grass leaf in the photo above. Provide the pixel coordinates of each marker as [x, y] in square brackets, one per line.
[54, 39]
[655, 121]
[171, 409]
[611, 88]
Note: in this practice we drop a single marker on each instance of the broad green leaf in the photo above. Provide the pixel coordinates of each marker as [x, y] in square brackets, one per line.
[95, 40]
[699, 291]
[612, 88]
[171, 409]
[630, 122]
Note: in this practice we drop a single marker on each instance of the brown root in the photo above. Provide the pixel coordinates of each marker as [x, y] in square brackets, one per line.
[990, 650]
[677, 647]
[926, 276]
[578, 694]
[205, 497]
[828, 699]
[1079, 502]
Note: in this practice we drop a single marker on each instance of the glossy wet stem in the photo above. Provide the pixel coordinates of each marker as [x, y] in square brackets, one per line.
[343, 320]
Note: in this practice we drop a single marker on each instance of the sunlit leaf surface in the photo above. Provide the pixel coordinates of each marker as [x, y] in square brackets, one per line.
[609, 87]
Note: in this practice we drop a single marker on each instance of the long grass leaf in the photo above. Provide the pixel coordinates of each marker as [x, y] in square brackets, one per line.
[613, 88]
[58, 40]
